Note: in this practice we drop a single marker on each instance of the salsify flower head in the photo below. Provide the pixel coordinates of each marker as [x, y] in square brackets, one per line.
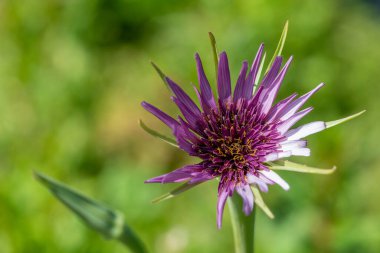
[239, 133]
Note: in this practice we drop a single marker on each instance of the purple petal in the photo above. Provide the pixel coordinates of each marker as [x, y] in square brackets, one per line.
[273, 88]
[293, 107]
[273, 176]
[305, 130]
[273, 71]
[284, 126]
[201, 177]
[239, 88]
[224, 81]
[169, 121]
[191, 117]
[178, 175]
[250, 81]
[186, 131]
[204, 103]
[252, 179]
[246, 193]
[155, 179]
[277, 155]
[223, 194]
[278, 107]
[265, 179]
[183, 97]
[206, 92]
[185, 145]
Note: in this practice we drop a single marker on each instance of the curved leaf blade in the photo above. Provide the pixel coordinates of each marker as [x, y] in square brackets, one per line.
[340, 121]
[110, 223]
[280, 45]
[157, 134]
[260, 202]
[214, 52]
[184, 187]
[296, 167]
[259, 72]
[161, 74]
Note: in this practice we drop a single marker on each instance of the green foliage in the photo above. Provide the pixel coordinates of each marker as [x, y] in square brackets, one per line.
[280, 45]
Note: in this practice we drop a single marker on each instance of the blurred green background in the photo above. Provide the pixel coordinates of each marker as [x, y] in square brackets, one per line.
[73, 74]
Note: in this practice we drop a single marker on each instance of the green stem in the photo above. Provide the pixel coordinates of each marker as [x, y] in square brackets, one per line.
[243, 226]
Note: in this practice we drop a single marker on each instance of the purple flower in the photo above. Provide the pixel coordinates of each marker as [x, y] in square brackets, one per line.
[237, 135]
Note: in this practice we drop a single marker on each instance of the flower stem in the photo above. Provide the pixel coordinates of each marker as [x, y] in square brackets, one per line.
[243, 226]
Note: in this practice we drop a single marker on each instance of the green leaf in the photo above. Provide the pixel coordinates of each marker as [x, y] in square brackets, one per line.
[110, 223]
[175, 192]
[157, 134]
[291, 166]
[161, 74]
[339, 121]
[243, 226]
[260, 202]
[280, 45]
[259, 72]
[214, 52]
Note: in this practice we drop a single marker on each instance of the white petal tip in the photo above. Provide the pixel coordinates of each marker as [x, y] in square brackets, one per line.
[273, 176]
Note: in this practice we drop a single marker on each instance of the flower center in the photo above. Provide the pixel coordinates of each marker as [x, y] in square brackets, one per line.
[234, 150]
[236, 140]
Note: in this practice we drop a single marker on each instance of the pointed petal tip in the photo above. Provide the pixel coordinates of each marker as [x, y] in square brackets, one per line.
[309, 109]
[146, 105]
[290, 59]
[168, 79]
[152, 180]
[219, 221]
[319, 86]
[223, 54]
[278, 58]
[261, 49]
